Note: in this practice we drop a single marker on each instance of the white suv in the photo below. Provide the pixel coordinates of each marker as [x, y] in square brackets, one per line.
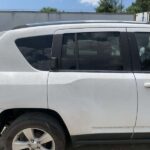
[83, 82]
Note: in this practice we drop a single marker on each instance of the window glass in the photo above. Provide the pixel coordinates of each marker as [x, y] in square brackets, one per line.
[36, 50]
[143, 41]
[92, 51]
[68, 59]
[99, 51]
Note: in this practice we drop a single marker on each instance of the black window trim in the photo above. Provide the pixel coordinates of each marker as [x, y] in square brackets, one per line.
[56, 47]
[124, 43]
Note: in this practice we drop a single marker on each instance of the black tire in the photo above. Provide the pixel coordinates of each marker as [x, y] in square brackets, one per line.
[40, 121]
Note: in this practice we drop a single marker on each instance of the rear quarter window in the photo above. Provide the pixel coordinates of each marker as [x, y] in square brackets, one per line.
[36, 50]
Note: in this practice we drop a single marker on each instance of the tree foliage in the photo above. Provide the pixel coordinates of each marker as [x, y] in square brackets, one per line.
[133, 9]
[139, 6]
[49, 10]
[109, 6]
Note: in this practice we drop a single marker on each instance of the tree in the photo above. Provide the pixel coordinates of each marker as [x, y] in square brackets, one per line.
[49, 10]
[109, 6]
[144, 5]
[133, 9]
[139, 6]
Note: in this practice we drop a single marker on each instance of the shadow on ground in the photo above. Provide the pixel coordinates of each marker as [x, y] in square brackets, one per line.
[105, 147]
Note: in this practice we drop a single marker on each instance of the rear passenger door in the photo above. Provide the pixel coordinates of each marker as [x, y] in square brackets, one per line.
[94, 89]
[140, 46]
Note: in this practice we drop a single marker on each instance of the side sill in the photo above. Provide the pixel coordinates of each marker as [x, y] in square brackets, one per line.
[102, 139]
[111, 142]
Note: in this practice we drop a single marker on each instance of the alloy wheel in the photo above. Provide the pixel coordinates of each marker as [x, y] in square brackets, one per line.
[33, 139]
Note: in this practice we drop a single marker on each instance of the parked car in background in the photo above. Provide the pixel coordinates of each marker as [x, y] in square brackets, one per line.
[74, 83]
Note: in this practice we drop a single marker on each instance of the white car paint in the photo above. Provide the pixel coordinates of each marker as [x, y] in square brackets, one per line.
[94, 102]
[88, 102]
[23, 90]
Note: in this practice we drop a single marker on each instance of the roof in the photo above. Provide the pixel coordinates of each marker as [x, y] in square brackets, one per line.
[76, 22]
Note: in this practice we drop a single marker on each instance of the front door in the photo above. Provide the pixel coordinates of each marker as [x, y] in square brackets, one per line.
[141, 58]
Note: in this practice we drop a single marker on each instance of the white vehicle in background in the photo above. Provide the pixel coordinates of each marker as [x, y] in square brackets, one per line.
[74, 83]
[143, 17]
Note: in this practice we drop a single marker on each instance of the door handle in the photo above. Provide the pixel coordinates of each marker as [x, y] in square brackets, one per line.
[147, 85]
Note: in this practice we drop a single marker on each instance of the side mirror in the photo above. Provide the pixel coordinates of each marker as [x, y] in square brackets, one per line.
[54, 63]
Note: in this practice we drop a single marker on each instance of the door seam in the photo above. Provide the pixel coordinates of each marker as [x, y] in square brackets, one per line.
[47, 89]
[137, 111]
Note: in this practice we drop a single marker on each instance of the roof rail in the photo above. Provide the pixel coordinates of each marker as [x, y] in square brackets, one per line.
[75, 22]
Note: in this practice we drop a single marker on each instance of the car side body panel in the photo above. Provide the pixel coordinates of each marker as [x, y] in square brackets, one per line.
[94, 103]
[88, 102]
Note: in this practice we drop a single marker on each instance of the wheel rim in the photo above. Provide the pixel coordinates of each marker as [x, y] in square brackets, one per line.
[33, 139]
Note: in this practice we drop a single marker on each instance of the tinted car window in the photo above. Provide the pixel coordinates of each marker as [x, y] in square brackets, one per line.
[143, 42]
[92, 51]
[99, 51]
[68, 59]
[36, 50]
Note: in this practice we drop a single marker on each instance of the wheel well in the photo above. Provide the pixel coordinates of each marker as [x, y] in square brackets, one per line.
[8, 116]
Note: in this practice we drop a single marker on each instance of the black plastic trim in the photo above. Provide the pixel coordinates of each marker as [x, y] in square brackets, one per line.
[125, 51]
[135, 60]
[56, 48]
[111, 142]
[145, 136]
[102, 139]
[93, 139]
[95, 71]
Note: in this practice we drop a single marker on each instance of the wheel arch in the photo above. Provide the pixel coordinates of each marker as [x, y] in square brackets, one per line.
[10, 115]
